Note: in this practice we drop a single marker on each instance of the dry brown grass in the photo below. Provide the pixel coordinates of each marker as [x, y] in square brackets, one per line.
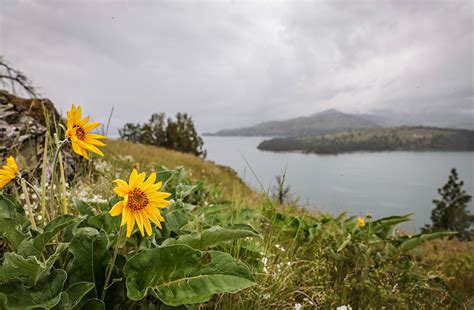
[221, 176]
[454, 260]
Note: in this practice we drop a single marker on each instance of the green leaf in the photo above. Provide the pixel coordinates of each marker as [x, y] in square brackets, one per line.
[7, 208]
[213, 236]
[34, 247]
[11, 230]
[46, 293]
[416, 240]
[13, 221]
[93, 304]
[344, 244]
[28, 269]
[77, 291]
[384, 227]
[183, 307]
[105, 221]
[183, 191]
[83, 208]
[11, 202]
[226, 214]
[215, 209]
[89, 248]
[180, 275]
[174, 221]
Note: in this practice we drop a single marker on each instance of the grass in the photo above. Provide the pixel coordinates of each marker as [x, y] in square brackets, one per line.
[147, 157]
[296, 270]
[301, 258]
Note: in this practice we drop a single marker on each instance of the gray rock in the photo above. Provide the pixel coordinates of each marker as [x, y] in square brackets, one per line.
[23, 127]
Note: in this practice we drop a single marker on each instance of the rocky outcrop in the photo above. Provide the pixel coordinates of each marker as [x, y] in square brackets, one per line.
[23, 126]
[23, 120]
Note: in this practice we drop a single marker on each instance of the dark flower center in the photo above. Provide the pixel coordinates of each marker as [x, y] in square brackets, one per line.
[137, 200]
[80, 133]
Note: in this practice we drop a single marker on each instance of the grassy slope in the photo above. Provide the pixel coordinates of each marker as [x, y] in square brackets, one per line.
[146, 156]
[452, 260]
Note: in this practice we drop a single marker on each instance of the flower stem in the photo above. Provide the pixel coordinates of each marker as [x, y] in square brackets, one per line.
[63, 185]
[53, 172]
[28, 204]
[44, 213]
[110, 266]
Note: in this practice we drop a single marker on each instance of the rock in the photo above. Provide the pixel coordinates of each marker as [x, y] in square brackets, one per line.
[23, 126]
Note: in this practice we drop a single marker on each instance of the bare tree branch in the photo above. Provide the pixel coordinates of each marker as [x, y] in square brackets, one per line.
[12, 77]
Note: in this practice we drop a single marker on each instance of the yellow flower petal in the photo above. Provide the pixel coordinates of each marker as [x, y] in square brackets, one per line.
[90, 126]
[139, 219]
[78, 133]
[116, 209]
[8, 172]
[90, 147]
[141, 202]
[132, 180]
[130, 224]
[146, 223]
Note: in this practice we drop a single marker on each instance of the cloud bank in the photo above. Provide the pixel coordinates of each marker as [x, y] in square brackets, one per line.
[233, 64]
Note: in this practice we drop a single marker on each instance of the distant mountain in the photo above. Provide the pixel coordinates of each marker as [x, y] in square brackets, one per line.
[316, 124]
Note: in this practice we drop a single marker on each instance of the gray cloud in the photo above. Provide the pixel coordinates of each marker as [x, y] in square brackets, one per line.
[232, 64]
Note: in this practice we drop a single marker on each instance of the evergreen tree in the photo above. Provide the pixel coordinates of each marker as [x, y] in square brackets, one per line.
[130, 132]
[281, 193]
[451, 211]
[179, 134]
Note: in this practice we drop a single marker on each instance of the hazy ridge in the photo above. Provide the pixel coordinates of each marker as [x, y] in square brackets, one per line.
[316, 124]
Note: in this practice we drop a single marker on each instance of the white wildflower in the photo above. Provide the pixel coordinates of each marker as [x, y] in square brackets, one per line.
[297, 306]
[344, 307]
[308, 301]
[279, 247]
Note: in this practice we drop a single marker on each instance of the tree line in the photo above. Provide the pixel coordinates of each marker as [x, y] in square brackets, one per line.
[177, 134]
[459, 140]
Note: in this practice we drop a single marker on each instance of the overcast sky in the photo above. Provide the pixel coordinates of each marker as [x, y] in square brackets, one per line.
[234, 63]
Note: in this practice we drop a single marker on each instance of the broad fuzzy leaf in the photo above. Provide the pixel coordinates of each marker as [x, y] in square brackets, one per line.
[13, 221]
[46, 293]
[84, 208]
[10, 229]
[28, 269]
[34, 247]
[213, 236]
[89, 248]
[180, 275]
[76, 291]
[93, 304]
[416, 240]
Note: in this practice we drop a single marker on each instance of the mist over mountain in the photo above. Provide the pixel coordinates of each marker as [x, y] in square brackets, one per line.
[319, 123]
[333, 120]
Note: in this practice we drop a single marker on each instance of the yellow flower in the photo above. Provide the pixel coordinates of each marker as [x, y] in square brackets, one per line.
[141, 202]
[8, 172]
[78, 133]
[361, 222]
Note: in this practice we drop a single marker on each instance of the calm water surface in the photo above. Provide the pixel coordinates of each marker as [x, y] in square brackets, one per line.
[386, 183]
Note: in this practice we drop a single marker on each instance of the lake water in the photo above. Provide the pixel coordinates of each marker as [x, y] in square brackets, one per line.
[385, 183]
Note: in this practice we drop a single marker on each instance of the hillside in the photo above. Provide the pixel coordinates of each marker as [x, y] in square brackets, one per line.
[320, 123]
[377, 139]
[147, 157]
